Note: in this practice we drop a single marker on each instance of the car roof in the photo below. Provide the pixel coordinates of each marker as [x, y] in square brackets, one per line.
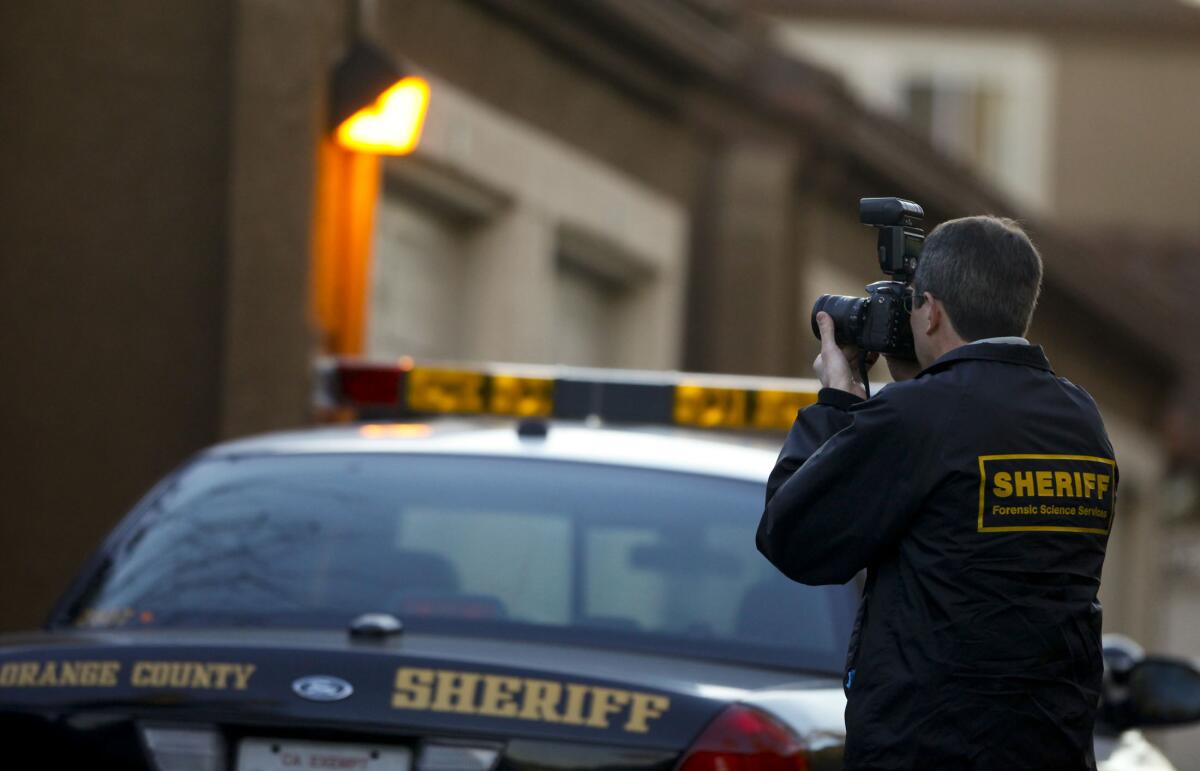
[669, 449]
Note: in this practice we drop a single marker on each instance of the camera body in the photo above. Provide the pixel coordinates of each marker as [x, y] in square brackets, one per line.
[879, 321]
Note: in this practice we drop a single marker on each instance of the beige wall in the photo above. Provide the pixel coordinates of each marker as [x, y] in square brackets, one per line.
[1128, 118]
[1013, 69]
[1096, 130]
[550, 202]
[1179, 554]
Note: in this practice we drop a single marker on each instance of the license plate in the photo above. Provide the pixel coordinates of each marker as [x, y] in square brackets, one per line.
[288, 755]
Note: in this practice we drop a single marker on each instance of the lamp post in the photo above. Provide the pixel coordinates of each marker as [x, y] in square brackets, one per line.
[375, 109]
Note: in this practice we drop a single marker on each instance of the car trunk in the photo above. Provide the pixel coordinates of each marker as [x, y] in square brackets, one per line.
[285, 698]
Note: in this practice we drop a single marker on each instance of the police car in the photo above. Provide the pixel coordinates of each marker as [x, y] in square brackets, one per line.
[564, 579]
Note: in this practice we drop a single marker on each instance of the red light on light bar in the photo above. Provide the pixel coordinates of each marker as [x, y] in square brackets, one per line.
[366, 384]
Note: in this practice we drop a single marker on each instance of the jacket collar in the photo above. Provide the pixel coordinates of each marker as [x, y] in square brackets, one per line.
[1025, 355]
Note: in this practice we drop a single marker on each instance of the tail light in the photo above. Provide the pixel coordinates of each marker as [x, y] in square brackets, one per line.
[743, 738]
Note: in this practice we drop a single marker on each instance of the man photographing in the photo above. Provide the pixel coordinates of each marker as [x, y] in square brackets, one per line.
[977, 492]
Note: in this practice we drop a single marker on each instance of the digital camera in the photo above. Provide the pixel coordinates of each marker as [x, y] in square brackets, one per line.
[879, 321]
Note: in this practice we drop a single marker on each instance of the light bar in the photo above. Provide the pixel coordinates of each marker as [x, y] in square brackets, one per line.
[374, 390]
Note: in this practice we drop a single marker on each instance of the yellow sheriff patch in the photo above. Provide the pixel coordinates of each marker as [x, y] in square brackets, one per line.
[522, 698]
[1049, 493]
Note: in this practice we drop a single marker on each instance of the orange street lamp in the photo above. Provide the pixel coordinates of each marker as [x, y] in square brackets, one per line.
[375, 107]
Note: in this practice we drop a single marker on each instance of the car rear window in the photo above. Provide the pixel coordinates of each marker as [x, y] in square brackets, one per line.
[576, 553]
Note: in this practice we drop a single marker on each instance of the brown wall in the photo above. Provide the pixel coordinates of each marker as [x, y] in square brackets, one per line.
[114, 206]
[284, 52]
[745, 284]
[117, 168]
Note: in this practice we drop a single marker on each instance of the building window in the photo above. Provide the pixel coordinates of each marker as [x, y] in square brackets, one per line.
[417, 283]
[985, 99]
[588, 311]
[963, 119]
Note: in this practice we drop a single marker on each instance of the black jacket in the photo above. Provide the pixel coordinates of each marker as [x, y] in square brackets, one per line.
[978, 497]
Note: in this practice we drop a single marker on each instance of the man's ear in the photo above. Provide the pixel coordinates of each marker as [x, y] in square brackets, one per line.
[936, 317]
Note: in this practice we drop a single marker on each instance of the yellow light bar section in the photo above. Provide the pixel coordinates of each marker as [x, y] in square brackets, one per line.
[467, 392]
[710, 407]
[776, 410]
[445, 390]
[525, 397]
[390, 126]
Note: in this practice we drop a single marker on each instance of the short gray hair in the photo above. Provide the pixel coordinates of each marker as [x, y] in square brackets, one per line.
[987, 273]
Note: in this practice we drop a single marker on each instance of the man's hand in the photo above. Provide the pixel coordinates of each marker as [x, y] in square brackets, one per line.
[902, 369]
[834, 366]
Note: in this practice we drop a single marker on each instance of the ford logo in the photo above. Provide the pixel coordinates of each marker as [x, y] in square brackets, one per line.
[322, 688]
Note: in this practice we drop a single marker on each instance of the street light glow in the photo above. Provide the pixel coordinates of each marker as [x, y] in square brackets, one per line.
[392, 124]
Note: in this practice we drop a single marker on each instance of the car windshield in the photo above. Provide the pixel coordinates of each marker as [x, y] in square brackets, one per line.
[571, 553]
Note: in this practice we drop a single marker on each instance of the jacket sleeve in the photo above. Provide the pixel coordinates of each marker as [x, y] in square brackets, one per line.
[847, 483]
[813, 426]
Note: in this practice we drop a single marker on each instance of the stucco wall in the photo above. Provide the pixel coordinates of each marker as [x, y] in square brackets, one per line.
[1127, 120]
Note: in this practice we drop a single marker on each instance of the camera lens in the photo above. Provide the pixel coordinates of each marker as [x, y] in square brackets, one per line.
[846, 313]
